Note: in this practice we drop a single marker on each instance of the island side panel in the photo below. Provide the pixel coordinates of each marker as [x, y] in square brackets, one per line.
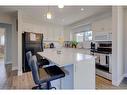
[84, 75]
[68, 80]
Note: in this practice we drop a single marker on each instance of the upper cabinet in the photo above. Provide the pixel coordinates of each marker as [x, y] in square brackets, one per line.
[50, 32]
[104, 25]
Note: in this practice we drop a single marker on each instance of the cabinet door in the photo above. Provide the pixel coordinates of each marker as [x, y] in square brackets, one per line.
[84, 75]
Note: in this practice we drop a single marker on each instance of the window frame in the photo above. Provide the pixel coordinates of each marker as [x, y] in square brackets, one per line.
[84, 36]
[76, 36]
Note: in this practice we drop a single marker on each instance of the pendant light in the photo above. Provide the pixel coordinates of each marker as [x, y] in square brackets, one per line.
[49, 15]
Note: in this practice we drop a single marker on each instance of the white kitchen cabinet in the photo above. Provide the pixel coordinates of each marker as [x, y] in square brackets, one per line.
[104, 25]
[84, 77]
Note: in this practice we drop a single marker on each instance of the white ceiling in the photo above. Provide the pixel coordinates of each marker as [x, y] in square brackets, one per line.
[65, 16]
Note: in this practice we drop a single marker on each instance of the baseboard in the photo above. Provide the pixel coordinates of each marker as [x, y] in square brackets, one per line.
[121, 79]
[19, 73]
[117, 83]
[14, 68]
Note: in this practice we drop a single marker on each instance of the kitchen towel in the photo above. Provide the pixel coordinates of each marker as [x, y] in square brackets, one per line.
[102, 59]
[97, 57]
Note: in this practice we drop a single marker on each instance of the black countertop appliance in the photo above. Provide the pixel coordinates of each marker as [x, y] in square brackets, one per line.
[30, 42]
[92, 45]
[51, 45]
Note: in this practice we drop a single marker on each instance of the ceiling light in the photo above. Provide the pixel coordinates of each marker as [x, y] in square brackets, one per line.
[49, 15]
[60, 5]
[82, 9]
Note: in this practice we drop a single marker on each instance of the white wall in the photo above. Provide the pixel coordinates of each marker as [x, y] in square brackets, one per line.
[91, 19]
[102, 25]
[125, 41]
[5, 19]
[14, 42]
[117, 45]
[20, 24]
[67, 34]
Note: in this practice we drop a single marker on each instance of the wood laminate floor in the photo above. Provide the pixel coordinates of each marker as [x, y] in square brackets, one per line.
[10, 80]
[102, 83]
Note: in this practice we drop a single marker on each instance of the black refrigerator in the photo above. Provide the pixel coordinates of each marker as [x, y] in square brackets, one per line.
[30, 42]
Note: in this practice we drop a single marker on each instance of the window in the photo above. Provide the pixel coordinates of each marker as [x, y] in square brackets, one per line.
[79, 37]
[2, 41]
[88, 36]
[84, 36]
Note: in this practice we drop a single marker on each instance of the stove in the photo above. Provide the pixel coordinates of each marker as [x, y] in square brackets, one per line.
[103, 54]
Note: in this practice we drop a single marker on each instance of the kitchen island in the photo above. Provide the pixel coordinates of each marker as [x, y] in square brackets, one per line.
[80, 68]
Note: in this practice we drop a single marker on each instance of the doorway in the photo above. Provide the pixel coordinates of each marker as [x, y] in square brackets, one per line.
[2, 56]
[2, 45]
[5, 54]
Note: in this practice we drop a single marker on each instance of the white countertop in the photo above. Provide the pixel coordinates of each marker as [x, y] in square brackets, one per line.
[68, 56]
